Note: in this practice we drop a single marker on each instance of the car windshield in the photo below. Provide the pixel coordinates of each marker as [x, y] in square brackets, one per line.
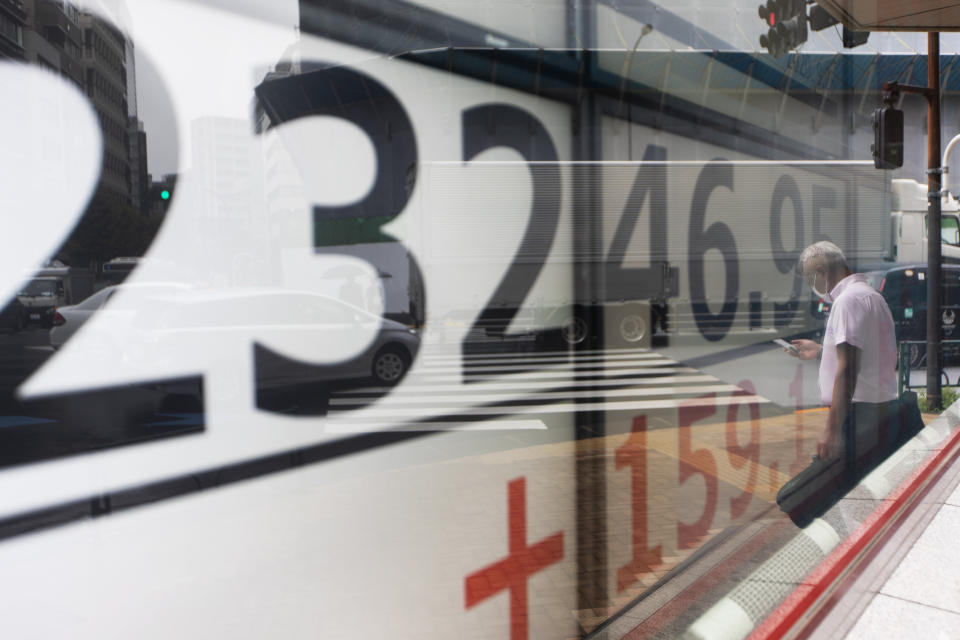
[950, 230]
[46, 288]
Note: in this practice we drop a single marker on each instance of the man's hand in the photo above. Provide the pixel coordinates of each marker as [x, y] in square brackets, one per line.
[806, 349]
[828, 442]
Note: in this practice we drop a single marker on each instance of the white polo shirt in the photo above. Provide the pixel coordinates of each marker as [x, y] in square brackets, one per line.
[860, 316]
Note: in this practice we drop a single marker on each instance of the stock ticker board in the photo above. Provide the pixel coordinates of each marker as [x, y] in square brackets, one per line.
[364, 334]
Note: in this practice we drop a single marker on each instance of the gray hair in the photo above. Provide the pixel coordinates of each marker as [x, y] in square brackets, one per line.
[825, 249]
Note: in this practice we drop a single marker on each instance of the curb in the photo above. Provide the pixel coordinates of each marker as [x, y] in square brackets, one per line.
[789, 591]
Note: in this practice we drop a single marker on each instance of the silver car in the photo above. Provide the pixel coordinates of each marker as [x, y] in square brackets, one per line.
[377, 348]
[68, 319]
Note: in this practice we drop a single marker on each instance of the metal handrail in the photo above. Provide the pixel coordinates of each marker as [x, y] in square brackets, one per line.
[903, 358]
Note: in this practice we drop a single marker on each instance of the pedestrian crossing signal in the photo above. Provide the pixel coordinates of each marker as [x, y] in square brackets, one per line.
[887, 145]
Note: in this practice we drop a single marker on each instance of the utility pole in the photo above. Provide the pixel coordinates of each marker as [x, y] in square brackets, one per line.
[934, 179]
[934, 194]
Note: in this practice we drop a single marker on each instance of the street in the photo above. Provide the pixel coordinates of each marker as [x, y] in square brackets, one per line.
[56, 426]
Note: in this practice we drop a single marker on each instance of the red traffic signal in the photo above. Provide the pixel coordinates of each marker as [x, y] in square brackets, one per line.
[768, 12]
[787, 20]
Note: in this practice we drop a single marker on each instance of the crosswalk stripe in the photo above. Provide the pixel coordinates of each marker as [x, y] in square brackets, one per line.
[547, 395]
[439, 425]
[644, 362]
[568, 373]
[403, 389]
[392, 413]
[527, 366]
[521, 354]
[529, 357]
[435, 395]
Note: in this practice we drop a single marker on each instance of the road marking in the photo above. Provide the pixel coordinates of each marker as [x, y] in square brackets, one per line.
[546, 395]
[637, 405]
[508, 386]
[440, 425]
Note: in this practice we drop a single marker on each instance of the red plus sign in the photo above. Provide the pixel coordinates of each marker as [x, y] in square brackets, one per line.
[513, 571]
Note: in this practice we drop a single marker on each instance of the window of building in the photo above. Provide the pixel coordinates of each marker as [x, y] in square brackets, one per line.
[11, 30]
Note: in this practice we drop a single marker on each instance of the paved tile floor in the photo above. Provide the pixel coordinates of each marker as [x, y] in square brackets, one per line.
[911, 586]
[921, 597]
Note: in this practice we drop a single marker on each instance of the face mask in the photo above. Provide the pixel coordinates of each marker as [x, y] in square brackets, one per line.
[825, 295]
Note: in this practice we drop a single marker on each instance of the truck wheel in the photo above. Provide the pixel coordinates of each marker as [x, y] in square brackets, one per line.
[627, 326]
[633, 328]
[574, 330]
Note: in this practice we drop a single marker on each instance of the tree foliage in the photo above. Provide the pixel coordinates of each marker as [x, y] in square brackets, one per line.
[109, 228]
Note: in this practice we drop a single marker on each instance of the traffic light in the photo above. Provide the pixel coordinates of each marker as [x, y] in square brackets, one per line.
[887, 145]
[820, 19]
[853, 39]
[787, 20]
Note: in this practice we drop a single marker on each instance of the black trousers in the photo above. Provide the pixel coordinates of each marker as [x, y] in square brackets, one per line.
[871, 432]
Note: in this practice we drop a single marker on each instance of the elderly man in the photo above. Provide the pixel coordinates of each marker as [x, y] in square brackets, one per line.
[857, 359]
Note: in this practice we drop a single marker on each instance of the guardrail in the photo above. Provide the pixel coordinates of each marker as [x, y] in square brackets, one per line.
[903, 358]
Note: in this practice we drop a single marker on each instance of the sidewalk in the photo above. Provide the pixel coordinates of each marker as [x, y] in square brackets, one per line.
[879, 564]
[911, 587]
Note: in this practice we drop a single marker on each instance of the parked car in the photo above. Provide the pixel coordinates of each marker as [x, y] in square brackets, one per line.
[904, 287]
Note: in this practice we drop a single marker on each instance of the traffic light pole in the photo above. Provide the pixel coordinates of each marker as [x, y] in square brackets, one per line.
[934, 176]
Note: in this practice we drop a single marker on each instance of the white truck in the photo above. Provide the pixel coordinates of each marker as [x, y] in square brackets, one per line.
[704, 249]
[514, 237]
[908, 223]
[718, 256]
[54, 286]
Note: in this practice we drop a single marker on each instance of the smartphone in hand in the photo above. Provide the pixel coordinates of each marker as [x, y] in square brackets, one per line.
[789, 347]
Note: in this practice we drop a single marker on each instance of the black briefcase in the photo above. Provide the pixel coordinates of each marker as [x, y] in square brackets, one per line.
[811, 492]
[911, 421]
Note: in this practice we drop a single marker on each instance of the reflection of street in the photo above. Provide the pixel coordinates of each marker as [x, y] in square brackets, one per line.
[784, 380]
[527, 386]
[691, 463]
[710, 452]
[20, 354]
[55, 426]
[709, 508]
[702, 517]
[710, 462]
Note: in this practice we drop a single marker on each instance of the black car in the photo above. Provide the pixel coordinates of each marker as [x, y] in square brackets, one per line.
[904, 287]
